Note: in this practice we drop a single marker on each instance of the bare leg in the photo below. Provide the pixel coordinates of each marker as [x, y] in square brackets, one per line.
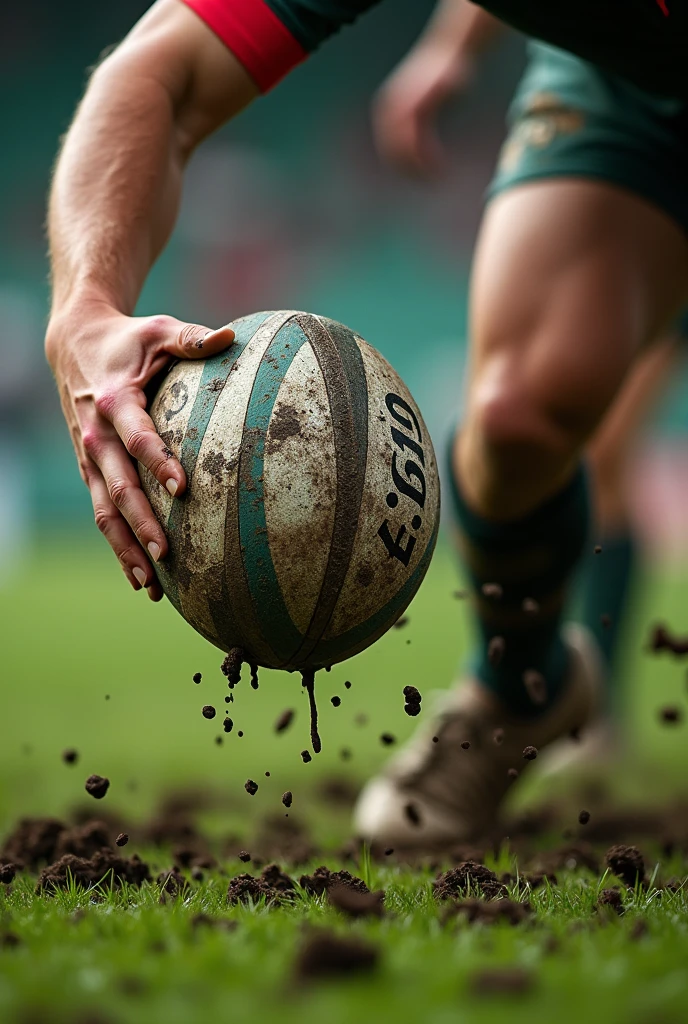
[610, 448]
[571, 280]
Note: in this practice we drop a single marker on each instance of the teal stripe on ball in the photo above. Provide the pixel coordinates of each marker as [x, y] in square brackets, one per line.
[213, 379]
[271, 611]
[341, 364]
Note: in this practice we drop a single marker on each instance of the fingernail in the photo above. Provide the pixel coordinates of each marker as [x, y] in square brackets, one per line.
[140, 575]
[154, 550]
[171, 486]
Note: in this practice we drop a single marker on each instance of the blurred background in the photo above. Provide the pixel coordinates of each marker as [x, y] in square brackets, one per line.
[288, 207]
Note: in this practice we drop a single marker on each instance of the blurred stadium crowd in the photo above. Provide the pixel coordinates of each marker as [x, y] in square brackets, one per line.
[289, 208]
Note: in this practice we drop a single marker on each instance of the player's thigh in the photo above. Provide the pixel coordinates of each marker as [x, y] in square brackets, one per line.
[571, 279]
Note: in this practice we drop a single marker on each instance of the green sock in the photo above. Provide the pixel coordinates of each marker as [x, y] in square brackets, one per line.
[604, 590]
[521, 656]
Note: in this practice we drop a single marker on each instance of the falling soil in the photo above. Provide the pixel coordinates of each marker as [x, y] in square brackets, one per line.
[122, 839]
[661, 639]
[285, 720]
[308, 682]
[70, 756]
[231, 666]
[251, 787]
[197, 677]
[209, 711]
[287, 798]
[97, 786]
[671, 715]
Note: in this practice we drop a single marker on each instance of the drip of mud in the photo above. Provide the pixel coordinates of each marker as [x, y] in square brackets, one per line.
[231, 666]
[308, 681]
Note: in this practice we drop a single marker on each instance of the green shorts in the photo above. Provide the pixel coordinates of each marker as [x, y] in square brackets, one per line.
[571, 119]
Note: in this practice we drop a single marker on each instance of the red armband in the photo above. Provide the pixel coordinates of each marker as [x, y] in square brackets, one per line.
[255, 35]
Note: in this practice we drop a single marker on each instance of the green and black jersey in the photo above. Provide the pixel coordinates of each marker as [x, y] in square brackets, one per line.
[645, 41]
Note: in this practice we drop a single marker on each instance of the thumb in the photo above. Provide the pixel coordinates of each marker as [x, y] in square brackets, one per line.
[194, 341]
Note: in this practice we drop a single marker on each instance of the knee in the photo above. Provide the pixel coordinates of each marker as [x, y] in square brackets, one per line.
[517, 427]
[520, 444]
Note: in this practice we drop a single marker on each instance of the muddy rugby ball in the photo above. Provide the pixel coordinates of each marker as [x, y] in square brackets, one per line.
[312, 506]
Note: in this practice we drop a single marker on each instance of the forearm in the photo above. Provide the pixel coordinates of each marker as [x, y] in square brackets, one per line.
[463, 26]
[117, 182]
[116, 189]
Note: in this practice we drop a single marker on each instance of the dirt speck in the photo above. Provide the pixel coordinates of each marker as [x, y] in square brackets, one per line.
[97, 786]
[284, 720]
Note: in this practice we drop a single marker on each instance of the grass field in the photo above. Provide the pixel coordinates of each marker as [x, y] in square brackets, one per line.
[88, 665]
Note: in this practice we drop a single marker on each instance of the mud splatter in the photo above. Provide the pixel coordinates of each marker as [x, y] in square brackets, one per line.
[308, 682]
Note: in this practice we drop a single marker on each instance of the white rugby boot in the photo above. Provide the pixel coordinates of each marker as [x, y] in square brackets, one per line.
[438, 791]
[598, 747]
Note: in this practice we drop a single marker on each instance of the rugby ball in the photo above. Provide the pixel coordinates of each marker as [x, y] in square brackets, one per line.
[312, 505]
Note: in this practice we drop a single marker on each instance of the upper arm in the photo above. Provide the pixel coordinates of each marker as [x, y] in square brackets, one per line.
[206, 83]
[215, 56]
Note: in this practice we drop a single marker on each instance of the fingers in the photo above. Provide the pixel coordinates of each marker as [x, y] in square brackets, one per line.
[119, 535]
[142, 441]
[196, 342]
[124, 489]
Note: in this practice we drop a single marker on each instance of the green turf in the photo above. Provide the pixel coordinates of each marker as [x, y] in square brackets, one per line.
[73, 633]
